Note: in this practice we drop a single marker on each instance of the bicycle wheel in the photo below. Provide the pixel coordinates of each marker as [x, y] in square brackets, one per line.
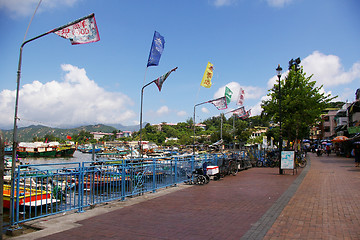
[201, 180]
[234, 169]
[207, 179]
[302, 163]
[259, 163]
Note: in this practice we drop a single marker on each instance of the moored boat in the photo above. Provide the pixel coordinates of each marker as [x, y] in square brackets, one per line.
[28, 197]
[40, 149]
[66, 150]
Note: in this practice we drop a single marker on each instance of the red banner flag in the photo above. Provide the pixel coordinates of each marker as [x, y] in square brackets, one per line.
[246, 115]
[240, 111]
[84, 31]
[219, 103]
[241, 97]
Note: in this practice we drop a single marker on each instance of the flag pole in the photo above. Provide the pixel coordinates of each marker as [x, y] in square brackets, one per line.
[195, 125]
[12, 227]
[141, 106]
[141, 110]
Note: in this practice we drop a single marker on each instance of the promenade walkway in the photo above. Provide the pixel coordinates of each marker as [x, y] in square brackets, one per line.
[326, 205]
[321, 202]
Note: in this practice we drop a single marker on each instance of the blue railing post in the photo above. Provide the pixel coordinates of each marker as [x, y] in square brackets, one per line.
[123, 179]
[192, 166]
[81, 188]
[17, 179]
[154, 174]
[175, 170]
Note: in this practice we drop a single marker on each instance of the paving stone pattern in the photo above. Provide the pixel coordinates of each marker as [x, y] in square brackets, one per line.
[321, 202]
[224, 209]
[326, 205]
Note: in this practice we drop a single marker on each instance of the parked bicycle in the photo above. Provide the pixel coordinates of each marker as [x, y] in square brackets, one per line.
[227, 166]
[198, 177]
[300, 159]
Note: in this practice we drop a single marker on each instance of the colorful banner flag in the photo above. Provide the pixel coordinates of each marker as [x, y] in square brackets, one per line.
[239, 111]
[206, 80]
[157, 47]
[246, 115]
[228, 94]
[84, 31]
[241, 97]
[219, 103]
[159, 81]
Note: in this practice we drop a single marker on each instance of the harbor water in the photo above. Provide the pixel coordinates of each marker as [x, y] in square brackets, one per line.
[77, 157]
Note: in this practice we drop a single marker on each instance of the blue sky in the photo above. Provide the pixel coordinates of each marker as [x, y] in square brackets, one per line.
[64, 85]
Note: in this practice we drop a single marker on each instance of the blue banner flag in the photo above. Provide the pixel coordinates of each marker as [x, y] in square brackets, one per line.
[157, 48]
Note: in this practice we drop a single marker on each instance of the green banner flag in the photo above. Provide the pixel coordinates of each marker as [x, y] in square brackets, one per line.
[228, 94]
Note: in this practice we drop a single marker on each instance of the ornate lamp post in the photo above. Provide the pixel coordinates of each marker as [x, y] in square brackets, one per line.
[278, 71]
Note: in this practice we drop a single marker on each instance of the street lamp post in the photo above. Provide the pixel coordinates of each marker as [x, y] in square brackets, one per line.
[278, 71]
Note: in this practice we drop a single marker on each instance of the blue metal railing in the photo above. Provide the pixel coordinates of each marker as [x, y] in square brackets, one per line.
[48, 189]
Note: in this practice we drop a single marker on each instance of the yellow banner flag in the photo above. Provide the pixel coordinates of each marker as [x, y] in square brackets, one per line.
[206, 80]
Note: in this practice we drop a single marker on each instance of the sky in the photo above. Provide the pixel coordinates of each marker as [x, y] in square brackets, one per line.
[64, 85]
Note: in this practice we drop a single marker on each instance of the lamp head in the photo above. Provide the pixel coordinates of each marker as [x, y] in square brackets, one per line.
[278, 71]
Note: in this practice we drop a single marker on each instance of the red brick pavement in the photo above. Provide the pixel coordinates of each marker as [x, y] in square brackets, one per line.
[325, 206]
[224, 209]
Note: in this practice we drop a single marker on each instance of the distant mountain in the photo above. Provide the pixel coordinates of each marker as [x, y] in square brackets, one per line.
[132, 128]
[26, 134]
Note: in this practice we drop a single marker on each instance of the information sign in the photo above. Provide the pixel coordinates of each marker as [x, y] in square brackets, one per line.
[287, 160]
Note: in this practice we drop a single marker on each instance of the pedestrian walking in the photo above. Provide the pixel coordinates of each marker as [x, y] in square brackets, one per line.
[328, 150]
[357, 155]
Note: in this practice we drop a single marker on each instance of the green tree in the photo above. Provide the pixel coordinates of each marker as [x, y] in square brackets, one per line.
[301, 103]
[82, 137]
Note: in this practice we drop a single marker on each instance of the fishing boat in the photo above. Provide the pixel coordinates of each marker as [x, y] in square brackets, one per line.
[28, 197]
[65, 150]
[36, 149]
[40, 149]
[89, 149]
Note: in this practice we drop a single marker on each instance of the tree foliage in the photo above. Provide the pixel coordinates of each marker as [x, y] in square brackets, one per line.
[301, 104]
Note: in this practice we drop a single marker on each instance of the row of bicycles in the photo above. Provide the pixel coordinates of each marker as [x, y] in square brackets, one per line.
[232, 163]
[271, 159]
[226, 165]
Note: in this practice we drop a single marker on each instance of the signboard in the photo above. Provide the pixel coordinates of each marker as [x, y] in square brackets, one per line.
[287, 159]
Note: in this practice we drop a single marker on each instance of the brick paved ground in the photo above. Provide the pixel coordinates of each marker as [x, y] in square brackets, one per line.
[224, 209]
[321, 202]
[325, 206]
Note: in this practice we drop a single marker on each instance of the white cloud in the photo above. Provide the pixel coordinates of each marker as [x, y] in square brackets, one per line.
[256, 109]
[181, 113]
[328, 70]
[251, 92]
[163, 110]
[76, 100]
[279, 3]
[275, 79]
[205, 110]
[23, 8]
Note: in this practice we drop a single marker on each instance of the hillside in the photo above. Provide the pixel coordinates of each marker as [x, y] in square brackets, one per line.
[26, 134]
